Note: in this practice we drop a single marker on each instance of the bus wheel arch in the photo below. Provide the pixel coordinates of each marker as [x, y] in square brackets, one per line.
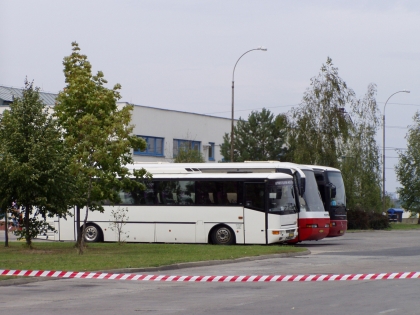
[93, 233]
[222, 234]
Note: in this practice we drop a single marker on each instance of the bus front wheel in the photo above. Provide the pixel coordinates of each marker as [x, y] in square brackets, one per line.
[92, 233]
[222, 235]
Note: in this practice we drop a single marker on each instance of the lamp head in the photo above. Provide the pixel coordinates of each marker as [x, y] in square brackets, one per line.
[406, 91]
[262, 48]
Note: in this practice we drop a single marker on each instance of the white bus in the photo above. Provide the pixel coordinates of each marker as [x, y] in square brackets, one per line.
[181, 206]
[313, 219]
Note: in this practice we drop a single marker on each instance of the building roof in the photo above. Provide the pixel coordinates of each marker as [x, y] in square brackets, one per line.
[174, 110]
[8, 93]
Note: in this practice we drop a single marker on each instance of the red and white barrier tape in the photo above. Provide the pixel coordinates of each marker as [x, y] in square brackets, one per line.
[167, 278]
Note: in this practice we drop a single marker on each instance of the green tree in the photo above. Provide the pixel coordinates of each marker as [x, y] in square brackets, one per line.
[319, 131]
[186, 154]
[322, 132]
[360, 164]
[99, 135]
[261, 138]
[408, 169]
[34, 167]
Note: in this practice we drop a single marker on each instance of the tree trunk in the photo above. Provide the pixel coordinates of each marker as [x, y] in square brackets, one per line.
[83, 232]
[78, 231]
[82, 239]
[27, 232]
[6, 228]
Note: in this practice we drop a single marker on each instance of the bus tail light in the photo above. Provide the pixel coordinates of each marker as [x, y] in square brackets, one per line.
[311, 225]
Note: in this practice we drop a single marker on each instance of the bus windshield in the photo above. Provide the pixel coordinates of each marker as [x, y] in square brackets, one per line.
[281, 197]
[311, 196]
[337, 180]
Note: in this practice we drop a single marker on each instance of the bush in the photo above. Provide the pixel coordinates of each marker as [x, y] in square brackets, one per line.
[359, 219]
[378, 221]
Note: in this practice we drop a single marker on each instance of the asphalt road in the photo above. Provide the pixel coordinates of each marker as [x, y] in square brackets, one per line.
[369, 252]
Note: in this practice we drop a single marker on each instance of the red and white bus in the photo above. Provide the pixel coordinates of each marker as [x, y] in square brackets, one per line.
[331, 186]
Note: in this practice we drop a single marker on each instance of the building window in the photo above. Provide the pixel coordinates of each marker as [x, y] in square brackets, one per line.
[211, 151]
[186, 145]
[154, 146]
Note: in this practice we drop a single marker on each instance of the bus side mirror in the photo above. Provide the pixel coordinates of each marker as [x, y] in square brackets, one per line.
[333, 190]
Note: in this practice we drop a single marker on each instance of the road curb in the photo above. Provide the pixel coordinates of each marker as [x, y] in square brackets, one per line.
[206, 263]
[26, 280]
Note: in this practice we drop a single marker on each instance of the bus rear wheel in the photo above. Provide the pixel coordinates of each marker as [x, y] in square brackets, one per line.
[92, 233]
[223, 235]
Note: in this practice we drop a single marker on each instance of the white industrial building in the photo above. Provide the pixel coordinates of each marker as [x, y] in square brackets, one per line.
[167, 130]
[164, 130]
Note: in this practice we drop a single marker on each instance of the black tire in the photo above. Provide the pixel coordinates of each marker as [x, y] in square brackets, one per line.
[222, 235]
[93, 233]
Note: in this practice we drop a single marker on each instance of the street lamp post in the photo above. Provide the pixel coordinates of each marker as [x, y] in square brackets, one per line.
[233, 89]
[383, 150]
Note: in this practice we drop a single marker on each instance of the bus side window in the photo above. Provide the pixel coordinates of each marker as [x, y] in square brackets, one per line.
[230, 193]
[202, 189]
[211, 197]
[220, 198]
[255, 196]
[168, 198]
[149, 197]
[232, 197]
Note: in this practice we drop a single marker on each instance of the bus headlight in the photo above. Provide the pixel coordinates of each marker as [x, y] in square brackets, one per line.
[311, 225]
[333, 224]
[275, 232]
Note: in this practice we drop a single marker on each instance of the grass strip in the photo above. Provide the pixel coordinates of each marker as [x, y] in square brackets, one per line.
[394, 227]
[404, 226]
[103, 256]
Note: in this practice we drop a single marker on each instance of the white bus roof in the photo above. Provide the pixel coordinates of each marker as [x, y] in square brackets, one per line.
[324, 168]
[278, 164]
[221, 176]
[238, 166]
[157, 169]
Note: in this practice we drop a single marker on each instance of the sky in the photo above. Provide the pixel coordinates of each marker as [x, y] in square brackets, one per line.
[180, 54]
